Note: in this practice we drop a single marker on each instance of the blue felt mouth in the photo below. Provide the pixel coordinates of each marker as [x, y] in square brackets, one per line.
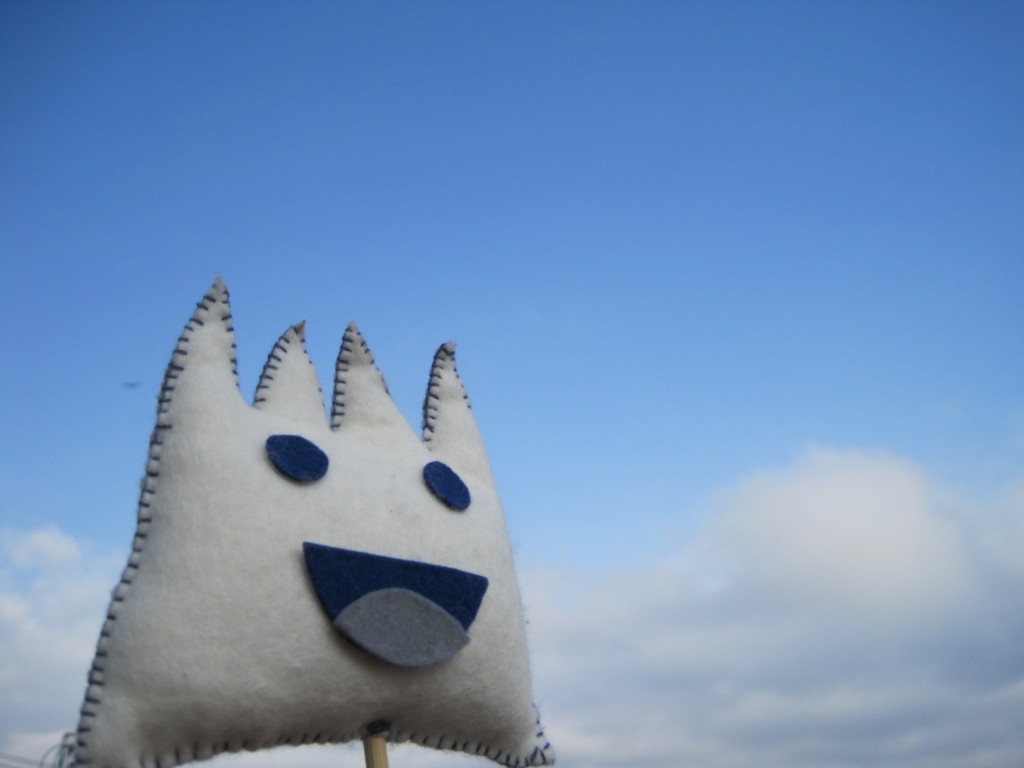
[405, 612]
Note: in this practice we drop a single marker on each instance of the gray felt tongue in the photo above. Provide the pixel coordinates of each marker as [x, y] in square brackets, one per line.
[402, 627]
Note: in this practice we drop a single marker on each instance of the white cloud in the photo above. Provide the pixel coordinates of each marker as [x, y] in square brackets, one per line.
[855, 534]
[838, 612]
[42, 548]
[843, 611]
[53, 596]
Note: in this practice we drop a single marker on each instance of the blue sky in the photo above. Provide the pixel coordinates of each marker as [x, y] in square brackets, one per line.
[687, 250]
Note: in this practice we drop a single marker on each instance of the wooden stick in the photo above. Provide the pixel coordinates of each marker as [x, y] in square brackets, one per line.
[375, 748]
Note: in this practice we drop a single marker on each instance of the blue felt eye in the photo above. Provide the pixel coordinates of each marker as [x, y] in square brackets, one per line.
[297, 458]
[446, 485]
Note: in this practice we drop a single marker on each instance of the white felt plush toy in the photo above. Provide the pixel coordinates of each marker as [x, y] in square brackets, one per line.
[295, 581]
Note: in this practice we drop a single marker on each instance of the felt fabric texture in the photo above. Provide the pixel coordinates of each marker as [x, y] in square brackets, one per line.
[402, 627]
[341, 576]
[446, 484]
[216, 639]
[297, 458]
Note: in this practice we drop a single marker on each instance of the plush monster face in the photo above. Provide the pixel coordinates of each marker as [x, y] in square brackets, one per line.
[294, 580]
